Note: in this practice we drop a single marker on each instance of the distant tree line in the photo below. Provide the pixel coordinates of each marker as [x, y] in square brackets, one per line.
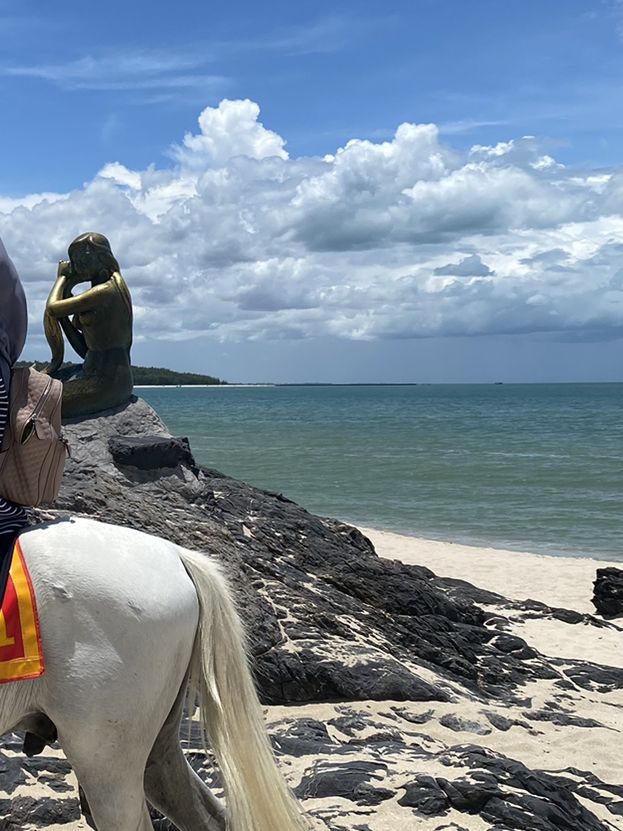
[158, 376]
[150, 375]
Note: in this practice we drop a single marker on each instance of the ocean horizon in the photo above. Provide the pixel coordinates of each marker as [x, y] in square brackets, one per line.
[532, 467]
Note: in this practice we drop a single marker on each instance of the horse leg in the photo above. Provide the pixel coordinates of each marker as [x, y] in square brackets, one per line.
[108, 729]
[40, 730]
[84, 807]
[108, 756]
[107, 739]
[114, 790]
[173, 787]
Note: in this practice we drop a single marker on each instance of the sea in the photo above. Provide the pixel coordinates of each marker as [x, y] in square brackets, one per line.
[529, 467]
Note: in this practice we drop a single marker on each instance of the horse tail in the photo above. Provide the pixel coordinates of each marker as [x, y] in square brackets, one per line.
[258, 798]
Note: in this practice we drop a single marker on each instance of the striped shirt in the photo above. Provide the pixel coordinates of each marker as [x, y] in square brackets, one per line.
[12, 517]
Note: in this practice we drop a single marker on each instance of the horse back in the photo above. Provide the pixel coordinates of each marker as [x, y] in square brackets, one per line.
[114, 604]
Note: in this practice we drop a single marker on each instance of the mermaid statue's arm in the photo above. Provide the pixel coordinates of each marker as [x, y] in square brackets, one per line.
[72, 333]
[54, 337]
[54, 327]
[74, 336]
[60, 306]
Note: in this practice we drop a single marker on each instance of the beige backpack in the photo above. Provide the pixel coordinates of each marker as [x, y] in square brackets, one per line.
[33, 451]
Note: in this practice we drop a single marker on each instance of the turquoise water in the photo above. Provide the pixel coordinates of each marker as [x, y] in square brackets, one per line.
[535, 467]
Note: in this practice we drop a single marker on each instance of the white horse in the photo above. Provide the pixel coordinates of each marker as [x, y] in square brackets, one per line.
[126, 619]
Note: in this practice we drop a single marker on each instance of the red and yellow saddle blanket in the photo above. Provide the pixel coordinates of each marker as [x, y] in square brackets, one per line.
[21, 656]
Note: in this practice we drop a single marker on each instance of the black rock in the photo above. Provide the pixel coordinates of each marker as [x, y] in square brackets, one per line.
[150, 452]
[22, 810]
[347, 780]
[457, 724]
[350, 724]
[567, 615]
[12, 773]
[366, 794]
[608, 592]
[562, 719]
[502, 723]
[414, 718]
[303, 737]
[538, 801]
[470, 795]
[591, 676]
[426, 796]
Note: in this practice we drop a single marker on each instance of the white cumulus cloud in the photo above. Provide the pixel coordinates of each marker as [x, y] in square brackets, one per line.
[227, 131]
[397, 239]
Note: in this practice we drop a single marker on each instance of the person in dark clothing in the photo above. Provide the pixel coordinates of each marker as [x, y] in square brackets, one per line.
[13, 325]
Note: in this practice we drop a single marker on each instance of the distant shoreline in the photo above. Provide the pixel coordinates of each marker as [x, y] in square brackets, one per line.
[386, 384]
[196, 386]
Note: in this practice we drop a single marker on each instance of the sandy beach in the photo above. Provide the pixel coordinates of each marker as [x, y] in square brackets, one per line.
[557, 581]
[588, 733]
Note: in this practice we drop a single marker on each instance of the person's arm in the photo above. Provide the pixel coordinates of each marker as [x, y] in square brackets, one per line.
[13, 317]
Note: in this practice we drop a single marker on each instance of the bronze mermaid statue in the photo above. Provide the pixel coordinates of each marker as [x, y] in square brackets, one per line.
[98, 325]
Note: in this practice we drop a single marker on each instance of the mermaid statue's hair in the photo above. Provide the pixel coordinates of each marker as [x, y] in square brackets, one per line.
[100, 248]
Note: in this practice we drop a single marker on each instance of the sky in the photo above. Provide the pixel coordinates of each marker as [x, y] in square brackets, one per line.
[414, 191]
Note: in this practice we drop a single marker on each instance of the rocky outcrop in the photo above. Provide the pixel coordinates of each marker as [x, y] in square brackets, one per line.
[329, 620]
[333, 627]
[608, 594]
